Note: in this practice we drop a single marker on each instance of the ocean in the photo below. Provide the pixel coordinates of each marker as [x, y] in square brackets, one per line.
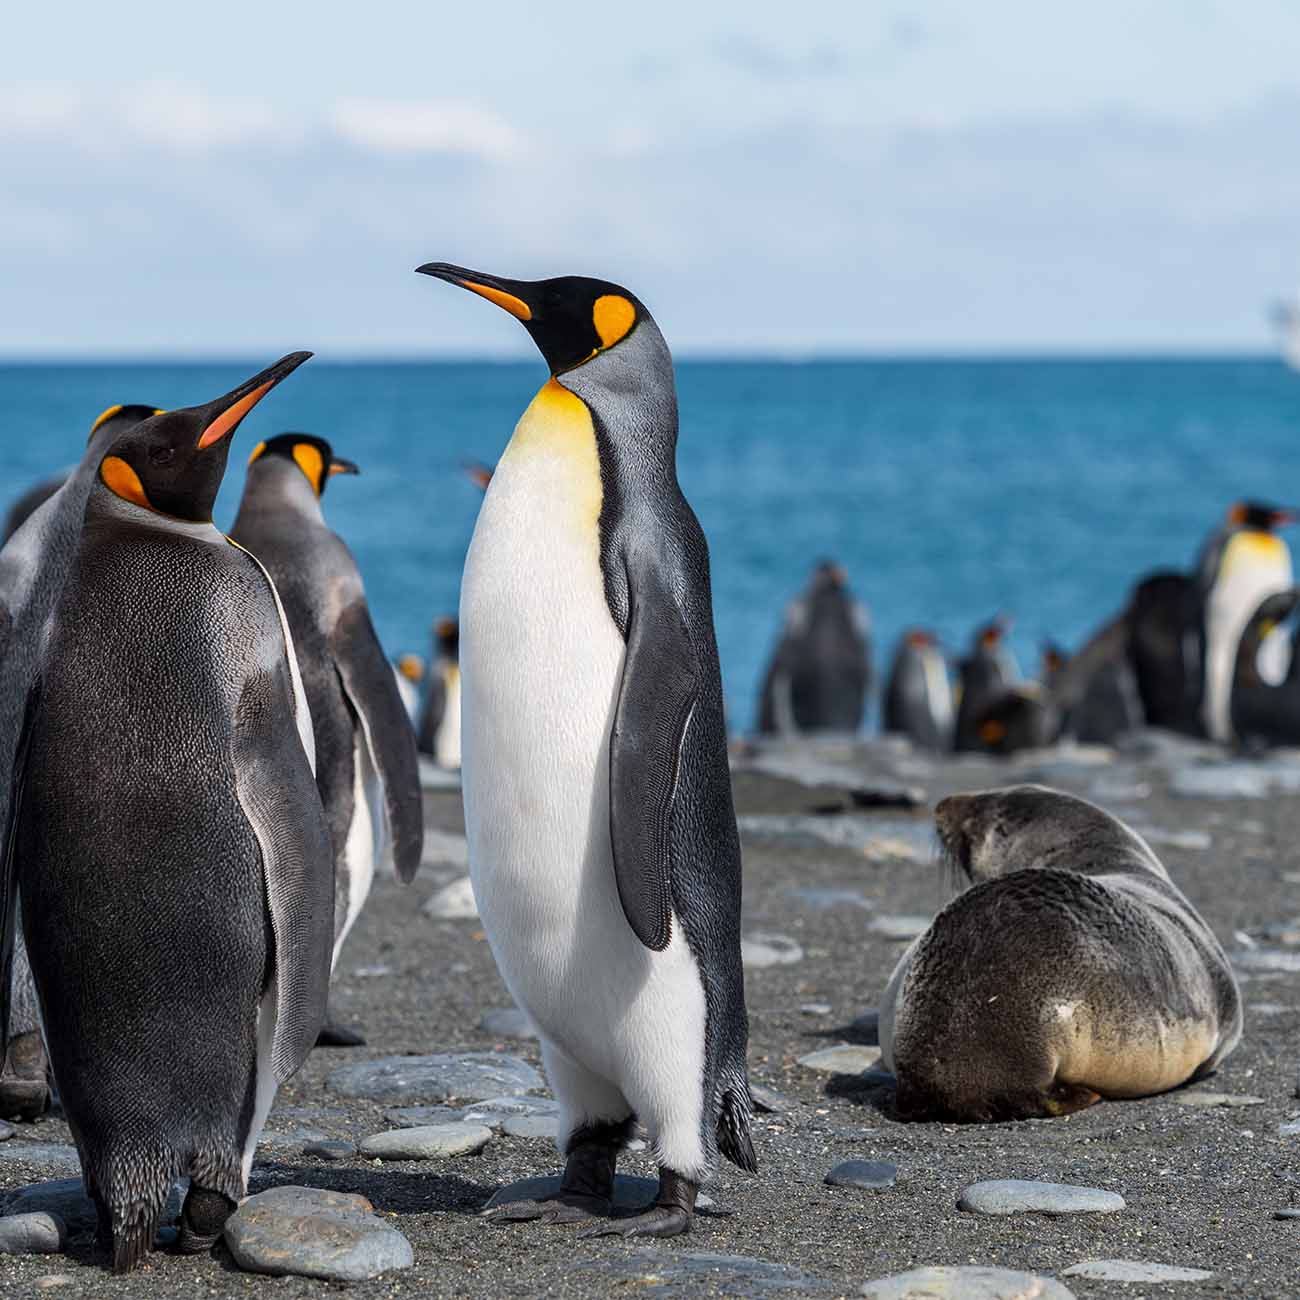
[949, 490]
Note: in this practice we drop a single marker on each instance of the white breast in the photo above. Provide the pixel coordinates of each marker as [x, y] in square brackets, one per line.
[541, 662]
[1254, 565]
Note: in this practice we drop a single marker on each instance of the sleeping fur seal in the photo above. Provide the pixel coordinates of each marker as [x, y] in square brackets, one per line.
[1072, 969]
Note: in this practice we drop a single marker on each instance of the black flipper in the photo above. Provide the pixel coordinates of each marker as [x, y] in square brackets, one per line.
[9, 866]
[278, 794]
[368, 680]
[661, 674]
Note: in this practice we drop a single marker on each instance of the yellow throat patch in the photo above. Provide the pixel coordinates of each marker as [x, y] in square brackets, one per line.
[557, 426]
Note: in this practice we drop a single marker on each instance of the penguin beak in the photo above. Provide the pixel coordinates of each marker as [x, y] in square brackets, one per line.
[340, 466]
[509, 295]
[224, 414]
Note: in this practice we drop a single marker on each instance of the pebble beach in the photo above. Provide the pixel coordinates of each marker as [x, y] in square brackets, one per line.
[398, 1146]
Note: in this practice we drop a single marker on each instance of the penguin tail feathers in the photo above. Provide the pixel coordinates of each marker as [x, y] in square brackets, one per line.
[133, 1234]
[733, 1130]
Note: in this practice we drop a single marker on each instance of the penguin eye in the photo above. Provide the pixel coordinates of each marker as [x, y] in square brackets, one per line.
[162, 455]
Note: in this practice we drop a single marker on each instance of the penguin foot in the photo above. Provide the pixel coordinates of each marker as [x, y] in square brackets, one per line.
[335, 1035]
[657, 1221]
[670, 1216]
[565, 1208]
[203, 1219]
[24, 1078]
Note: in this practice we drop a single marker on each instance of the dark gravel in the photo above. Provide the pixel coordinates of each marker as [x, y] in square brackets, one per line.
[1202, 1185]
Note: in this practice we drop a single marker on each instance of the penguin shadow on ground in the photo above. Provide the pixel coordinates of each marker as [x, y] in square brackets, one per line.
[398, 1191]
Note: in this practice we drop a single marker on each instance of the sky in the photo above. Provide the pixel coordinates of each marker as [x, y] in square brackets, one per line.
[770, 179]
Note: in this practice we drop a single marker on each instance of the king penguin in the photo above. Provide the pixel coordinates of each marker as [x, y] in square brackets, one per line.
[986, 674]
[33, 565]
[169, 845]
[367, 771]
[439, 732]
[1240, 565]
[918, 694]
[602, 836]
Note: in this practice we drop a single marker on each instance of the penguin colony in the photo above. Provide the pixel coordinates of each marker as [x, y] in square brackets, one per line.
[1204, 653]
[181, 871]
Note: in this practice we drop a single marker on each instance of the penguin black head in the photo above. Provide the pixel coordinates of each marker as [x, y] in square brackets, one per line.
[446, 633]
[571, 318]
[313, 455]
[116, 419]
[1259, 517]
[172, 462]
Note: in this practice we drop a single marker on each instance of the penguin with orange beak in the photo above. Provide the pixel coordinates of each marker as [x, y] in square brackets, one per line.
[602, 836]
[169, 846]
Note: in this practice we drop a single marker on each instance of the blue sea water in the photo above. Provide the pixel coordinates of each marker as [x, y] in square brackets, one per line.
[949, 490]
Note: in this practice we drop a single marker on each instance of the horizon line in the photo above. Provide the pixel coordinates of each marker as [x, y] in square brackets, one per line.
[775, 356]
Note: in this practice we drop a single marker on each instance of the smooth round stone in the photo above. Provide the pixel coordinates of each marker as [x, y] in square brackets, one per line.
[429, 1143]
[507, 1022]
[899, 927]
[412, 1080]
[762, 949]
[966, 1283]
[816, 1009]
[453, 902]
[423, 1116]
[1021, 1196]
[1287, 1214]
[7, 1130]
[1197, 1097]
[314, 1233]
[494, 1112]
[1133, 1270]
[32, 1234]
[530, 1126]
[874, 1175]
[330, 1149]
[51, 1280]
[769, 1100]
[845, 1058]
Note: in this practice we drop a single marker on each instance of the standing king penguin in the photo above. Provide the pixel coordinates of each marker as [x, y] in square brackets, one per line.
[439, 730]
[169, 845]
[33, 567]
[602, 837]
[367, 771]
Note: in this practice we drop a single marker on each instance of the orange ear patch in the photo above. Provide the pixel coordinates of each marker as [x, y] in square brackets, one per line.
[311, 462]
[104, 416]
[517, 307]
[123, 481]
[613, 316]
[257, 451]
[231, 416]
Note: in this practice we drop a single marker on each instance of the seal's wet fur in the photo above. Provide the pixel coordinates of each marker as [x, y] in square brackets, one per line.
[1072, 969]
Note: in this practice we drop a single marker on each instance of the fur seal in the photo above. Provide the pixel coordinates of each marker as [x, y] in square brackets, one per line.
[1073, 969]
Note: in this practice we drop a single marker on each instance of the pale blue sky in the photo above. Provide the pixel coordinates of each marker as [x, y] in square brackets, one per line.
[769, 177]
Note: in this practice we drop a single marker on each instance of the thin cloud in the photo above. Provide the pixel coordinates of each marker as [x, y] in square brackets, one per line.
[426, 127]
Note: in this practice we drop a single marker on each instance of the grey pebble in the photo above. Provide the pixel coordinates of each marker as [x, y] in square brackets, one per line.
[1293, 1213]
[330, 1149]
[1200, 1097]
[309, 1232]
[453, 902]
[415, 1079]
[965, 1283]
[762, 949]
[816, 1008]
[530, 1126]
[507, 1022]
[844, 1058]
[769, 1100]
[51, 1280]
[32, 1234]
[871, 1174]
[7, 1130]
[1133, 1270]
[899, 927]
[1021, 1196]
[427, 1143]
